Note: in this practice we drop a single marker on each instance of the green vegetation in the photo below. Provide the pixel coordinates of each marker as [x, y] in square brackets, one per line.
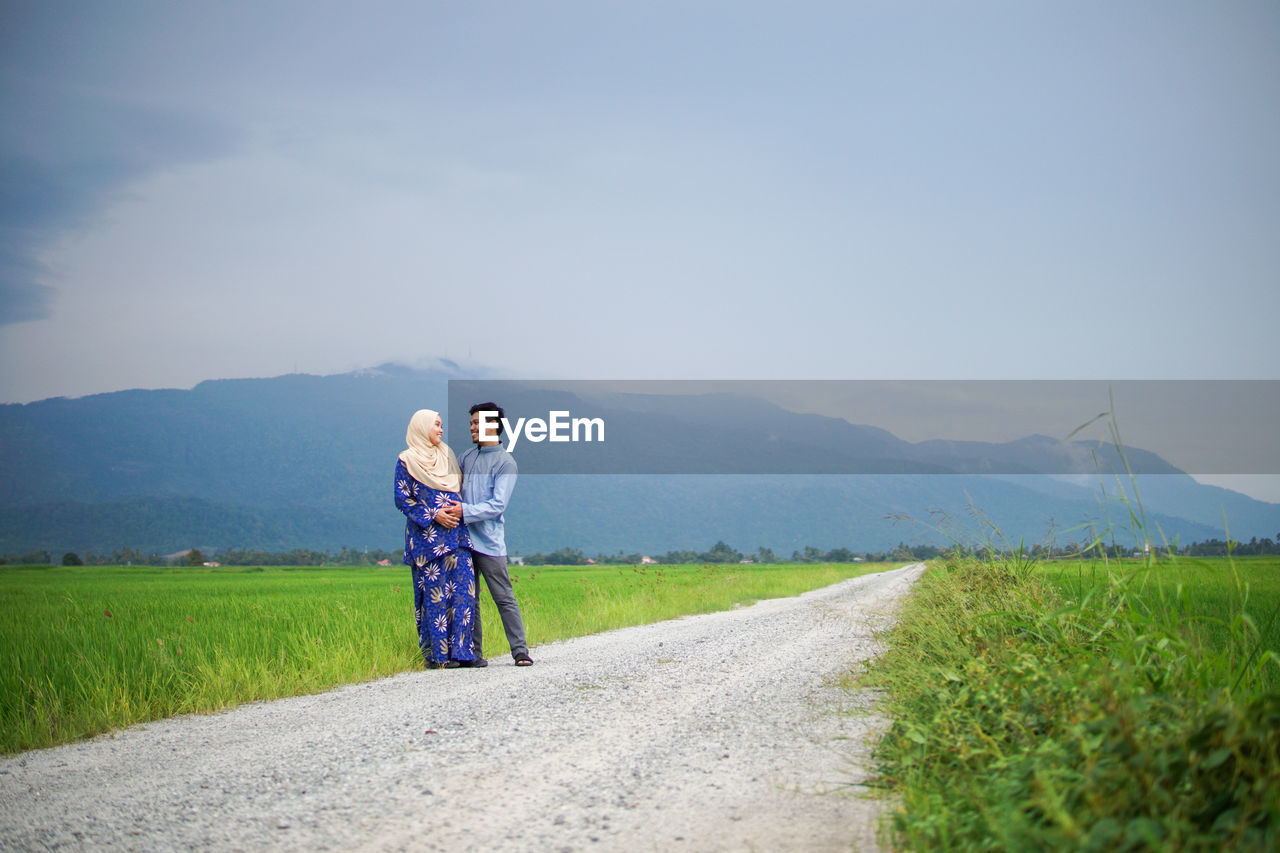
[1085, 705]
[574, 601]
[86, 650]
[721, 552]
[718, 553]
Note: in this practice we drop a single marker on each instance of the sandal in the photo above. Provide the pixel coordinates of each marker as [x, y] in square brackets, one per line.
[523, 659]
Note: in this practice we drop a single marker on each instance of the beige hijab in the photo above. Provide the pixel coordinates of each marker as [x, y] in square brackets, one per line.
[432, 465]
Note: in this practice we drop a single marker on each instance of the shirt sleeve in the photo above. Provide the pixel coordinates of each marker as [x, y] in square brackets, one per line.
[504, 483]
[419, 513]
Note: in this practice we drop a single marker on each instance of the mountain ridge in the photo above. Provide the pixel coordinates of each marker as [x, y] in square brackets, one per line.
[306, 461]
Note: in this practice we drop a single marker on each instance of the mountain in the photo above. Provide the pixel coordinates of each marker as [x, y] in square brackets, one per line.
[306, 461]
[255, 442]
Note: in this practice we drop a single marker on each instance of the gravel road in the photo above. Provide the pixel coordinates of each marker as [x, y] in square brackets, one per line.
[714, 732]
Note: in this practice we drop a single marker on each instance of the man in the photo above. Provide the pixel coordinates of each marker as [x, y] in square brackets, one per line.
[488, 478]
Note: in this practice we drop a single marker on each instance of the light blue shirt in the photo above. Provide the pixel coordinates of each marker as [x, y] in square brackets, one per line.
[488, 478]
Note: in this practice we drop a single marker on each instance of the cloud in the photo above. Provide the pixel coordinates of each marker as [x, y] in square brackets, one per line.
[239, 189]
[22, 299]
[65, 157]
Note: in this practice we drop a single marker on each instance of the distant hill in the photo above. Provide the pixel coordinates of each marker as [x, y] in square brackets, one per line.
[306, 461]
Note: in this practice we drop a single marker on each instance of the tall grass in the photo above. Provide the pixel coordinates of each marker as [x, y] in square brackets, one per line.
[86, 650]
[1104, 705]
[1099, 707]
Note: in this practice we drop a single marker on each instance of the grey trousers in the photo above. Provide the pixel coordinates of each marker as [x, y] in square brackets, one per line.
[494, 570]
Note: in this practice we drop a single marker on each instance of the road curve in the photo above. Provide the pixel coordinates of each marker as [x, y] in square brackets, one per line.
[714, 732]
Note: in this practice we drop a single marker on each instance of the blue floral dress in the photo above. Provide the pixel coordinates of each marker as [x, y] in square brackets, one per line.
[444, 584]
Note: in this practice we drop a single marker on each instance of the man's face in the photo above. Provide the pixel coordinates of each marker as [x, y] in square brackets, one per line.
[492, 432]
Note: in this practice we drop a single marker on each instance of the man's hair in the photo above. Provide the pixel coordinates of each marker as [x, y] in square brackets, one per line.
[490, 407]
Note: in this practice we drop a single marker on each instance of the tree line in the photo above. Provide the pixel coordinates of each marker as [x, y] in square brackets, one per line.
[1221, 548]
[196, 557]
[721, 552]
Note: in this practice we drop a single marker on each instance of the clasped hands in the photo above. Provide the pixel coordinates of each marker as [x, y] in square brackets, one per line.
[450, 516]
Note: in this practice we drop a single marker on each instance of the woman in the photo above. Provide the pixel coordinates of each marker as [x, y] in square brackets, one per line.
[436, 548]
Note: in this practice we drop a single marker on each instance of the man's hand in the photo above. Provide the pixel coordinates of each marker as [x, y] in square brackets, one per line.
[449, 517]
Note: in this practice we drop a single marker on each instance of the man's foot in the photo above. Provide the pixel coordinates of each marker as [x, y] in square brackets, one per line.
[478, 662]
[453, 664]
[523, 659]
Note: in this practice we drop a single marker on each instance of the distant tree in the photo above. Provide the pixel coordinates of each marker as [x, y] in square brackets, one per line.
[766, 555]
[127, 557]
[72, 559]
[619, 559]
[566, 557]
[720, 553]
[195, 558]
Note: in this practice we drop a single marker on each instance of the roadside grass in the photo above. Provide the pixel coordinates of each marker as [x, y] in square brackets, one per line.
[1095, 705]
[87, 650]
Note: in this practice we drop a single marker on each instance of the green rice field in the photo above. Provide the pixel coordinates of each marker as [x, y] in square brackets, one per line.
[1202, 596]
[89, 649]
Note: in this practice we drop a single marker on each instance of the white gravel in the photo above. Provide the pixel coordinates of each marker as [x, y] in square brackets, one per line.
[716, 732]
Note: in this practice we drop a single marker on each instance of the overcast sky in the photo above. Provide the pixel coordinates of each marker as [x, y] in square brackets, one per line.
[657, 190]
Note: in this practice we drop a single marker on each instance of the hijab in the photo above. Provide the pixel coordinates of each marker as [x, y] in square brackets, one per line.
[433, 465]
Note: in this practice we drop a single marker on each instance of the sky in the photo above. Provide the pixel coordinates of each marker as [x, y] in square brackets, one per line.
[658, 190]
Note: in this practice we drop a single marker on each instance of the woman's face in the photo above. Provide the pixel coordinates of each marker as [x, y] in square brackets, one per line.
[436, 432]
